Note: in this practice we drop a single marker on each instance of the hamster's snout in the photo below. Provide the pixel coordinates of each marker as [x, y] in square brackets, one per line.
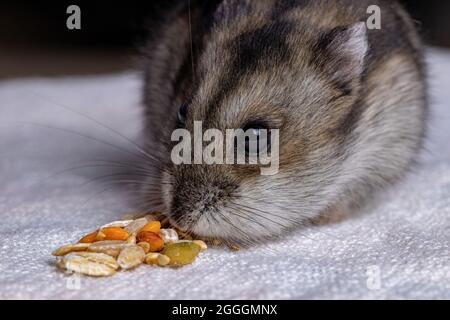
[198, 196]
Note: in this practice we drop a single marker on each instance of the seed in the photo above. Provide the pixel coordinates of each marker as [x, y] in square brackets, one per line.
[152, 258]
[132, 239]
[89, 263]
[234, 247]
[131, 257]
[157, 259]
[155, 241]
[135, 215]
[111, 248]
[71, 248]
[181, 253]
[145, 246]
[90, 238]
[201, 244]
[152, 226]
[100, 236]
[112, 233]
[168, 235]
[127, 244]
[117, 224]
[163, 260]
[136, 225]
[216, 242]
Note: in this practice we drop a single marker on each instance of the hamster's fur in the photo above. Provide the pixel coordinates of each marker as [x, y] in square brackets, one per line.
[350, 104]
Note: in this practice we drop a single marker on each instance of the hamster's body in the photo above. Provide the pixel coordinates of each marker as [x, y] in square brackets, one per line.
[350, 104]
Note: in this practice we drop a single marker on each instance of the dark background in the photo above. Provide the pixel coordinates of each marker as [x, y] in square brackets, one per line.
[34, 39]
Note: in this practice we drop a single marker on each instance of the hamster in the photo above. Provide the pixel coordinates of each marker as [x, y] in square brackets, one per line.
[350, 104]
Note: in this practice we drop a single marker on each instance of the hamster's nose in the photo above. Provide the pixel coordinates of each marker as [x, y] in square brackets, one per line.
[199, 198]
[195, 195]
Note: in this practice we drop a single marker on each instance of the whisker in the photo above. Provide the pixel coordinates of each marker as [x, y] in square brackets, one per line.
[129, 165]
[137, 147]
[250, 218]
[227, 220]
[271, 213]
[191, 41]
[100, 178]
[249, 210]
[111, 187]
[90, 138]
[253, 241]
[290, 219]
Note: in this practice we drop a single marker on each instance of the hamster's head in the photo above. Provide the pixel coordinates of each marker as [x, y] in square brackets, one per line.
[258, 74]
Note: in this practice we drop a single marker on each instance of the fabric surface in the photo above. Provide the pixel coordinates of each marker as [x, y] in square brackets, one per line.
[397, 248]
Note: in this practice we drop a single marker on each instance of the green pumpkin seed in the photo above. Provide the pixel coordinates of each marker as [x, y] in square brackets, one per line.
[181, 253]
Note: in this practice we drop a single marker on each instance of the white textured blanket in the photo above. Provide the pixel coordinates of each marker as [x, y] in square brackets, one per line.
[398, 248]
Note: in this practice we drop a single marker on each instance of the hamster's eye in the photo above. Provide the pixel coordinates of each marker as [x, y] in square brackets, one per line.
[257, 138]
[182, 113]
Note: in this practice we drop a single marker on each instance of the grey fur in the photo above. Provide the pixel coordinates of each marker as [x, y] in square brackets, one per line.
[350, 104]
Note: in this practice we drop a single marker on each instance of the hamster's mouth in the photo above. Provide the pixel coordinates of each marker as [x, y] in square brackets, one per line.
[199, 225]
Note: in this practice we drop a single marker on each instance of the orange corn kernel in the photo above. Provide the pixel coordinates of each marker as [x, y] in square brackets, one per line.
[90, 238]
[154, 240]
[112, 233]
[152, 226]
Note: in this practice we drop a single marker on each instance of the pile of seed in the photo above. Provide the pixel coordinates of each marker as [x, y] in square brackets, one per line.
[124, 245]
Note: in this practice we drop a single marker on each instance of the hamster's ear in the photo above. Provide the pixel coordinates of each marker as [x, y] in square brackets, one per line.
[342, 53]
[228, 10]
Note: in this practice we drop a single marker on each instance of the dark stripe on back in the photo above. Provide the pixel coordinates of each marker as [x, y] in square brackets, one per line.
[282, 7]
[263, 48]
[264, 45]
